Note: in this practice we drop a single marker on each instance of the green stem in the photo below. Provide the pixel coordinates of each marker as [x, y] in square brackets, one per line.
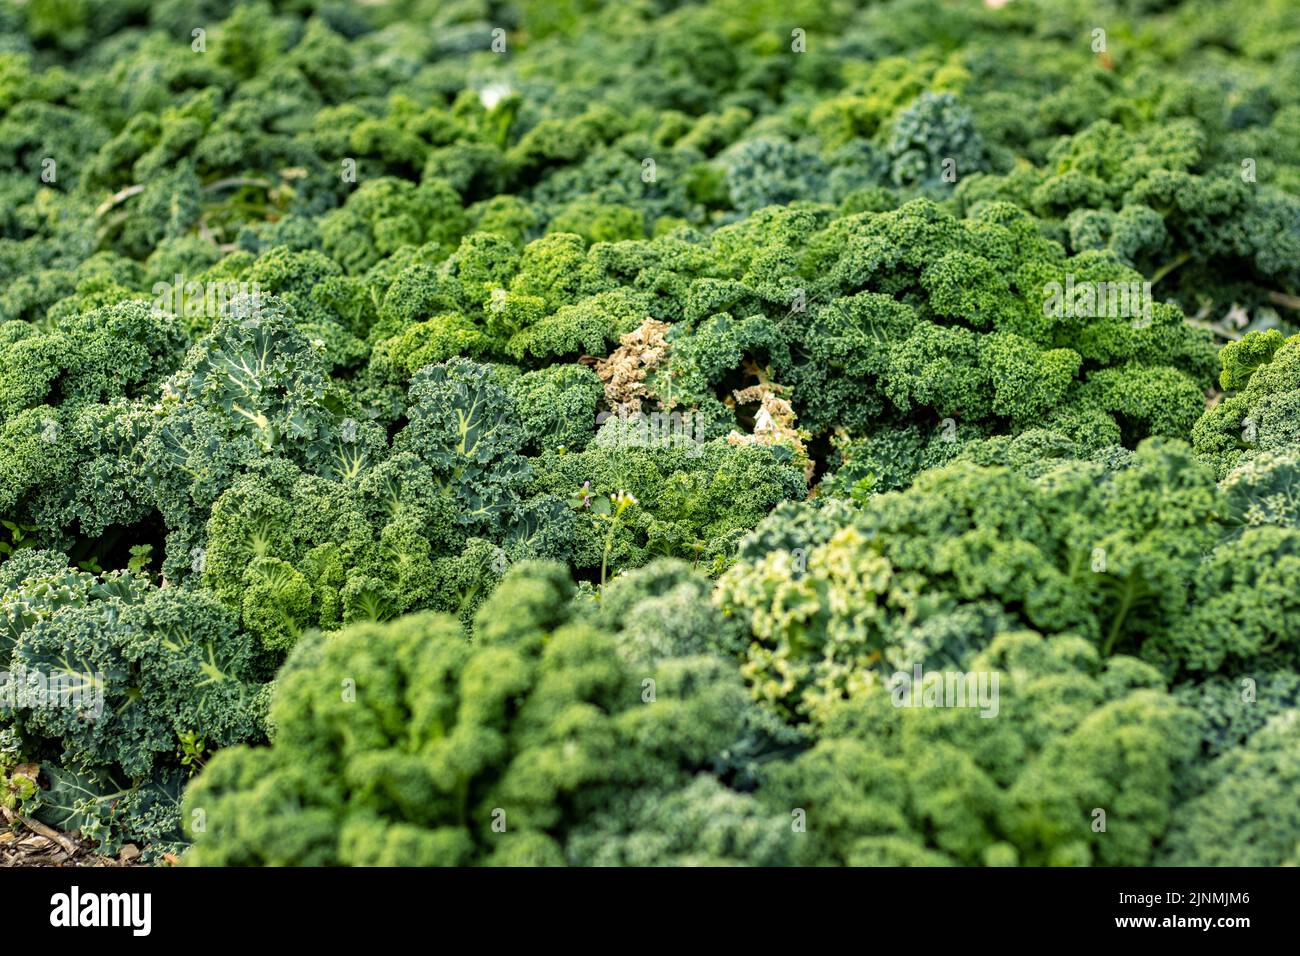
[1170, 266]
[1124, 605]
[609, 546]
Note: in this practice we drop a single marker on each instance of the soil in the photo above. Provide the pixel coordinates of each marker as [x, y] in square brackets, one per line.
[20, 846]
